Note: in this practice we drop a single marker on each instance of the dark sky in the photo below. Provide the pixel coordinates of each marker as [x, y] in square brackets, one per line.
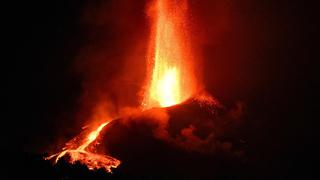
[257, 52]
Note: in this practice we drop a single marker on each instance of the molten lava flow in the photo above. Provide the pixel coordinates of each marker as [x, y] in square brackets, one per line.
[170, 79]
[80, 152]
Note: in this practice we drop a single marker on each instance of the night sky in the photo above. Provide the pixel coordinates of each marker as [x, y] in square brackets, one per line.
[259, 53]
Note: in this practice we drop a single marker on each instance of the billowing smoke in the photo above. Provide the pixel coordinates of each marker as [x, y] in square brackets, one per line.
[111, 62]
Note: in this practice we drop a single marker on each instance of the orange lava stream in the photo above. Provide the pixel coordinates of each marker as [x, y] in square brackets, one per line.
[83, 155]
[170, 78]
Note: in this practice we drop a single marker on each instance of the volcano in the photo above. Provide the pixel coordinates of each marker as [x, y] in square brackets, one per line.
[185, 140]
[194, 139]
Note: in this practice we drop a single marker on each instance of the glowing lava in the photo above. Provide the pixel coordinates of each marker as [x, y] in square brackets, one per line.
[82, 153]
[170, 80]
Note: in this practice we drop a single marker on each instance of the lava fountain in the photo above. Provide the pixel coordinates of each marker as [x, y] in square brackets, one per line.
[170, 78]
